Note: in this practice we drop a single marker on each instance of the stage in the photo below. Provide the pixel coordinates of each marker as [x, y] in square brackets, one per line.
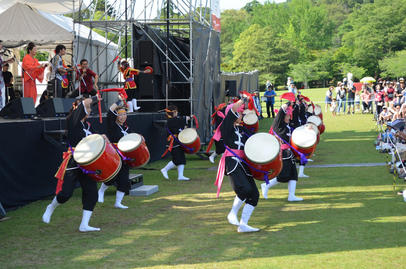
[31, 152]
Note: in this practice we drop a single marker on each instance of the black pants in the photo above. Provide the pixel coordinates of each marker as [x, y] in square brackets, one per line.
[122, 180]
[270, 105]
[289, 171]
[132, 93]
[178, 156]
[244, 186]
[75, 93]
[89, 188]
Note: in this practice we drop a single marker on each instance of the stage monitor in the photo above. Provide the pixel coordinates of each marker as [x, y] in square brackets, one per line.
[19, 108]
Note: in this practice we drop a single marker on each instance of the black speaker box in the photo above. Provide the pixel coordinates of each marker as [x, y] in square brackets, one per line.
[55, 107]
[149, 87]
[231, 88]
[145, 53]
[19, 108]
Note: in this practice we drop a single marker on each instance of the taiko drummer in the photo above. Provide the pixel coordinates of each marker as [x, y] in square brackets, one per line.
[77, 128]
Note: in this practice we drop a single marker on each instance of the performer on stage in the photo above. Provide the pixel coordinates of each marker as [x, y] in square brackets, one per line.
[240, 176]
[32, 70]
[2, 84]
[88, 80]
[218, 117]
[58, 80]
[175, 125]
[280, 127]
[117, 128]
[130, 86]
[78, 127]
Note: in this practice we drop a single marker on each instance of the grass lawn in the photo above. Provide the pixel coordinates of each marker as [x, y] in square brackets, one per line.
[350, 218]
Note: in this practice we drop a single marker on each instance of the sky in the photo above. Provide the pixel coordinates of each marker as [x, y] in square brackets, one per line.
[238, 4]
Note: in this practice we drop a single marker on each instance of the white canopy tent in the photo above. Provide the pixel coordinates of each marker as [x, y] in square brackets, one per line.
[21, 24]
[49, 6]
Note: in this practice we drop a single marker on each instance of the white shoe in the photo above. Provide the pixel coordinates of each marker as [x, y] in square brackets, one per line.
[88, 228]
[183, 178]
[136, 108]
[245, 228]
[164, 173]
[294, 199]
[309, 160]
[233, 219]
[121, 206]
[302, 175]
[264, 190]
[211, 158]
[47, 214]
[84, 225]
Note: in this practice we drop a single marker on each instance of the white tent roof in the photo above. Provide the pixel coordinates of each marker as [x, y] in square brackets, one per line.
[21, 24]
[50, 6]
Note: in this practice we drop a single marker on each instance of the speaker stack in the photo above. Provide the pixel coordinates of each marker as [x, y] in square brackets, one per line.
[19, 108]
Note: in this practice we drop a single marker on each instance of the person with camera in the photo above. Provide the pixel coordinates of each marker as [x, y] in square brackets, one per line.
[32, 70]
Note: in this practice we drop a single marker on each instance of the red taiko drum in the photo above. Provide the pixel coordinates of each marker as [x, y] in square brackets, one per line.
[133, 146]
[315, 129]
[304, 140]
[96, 153]
[190, 140]
[250, 121]
[263, 151]
[316, 121]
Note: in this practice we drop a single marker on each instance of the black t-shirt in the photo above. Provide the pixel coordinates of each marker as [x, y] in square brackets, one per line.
[351, 93]
[7, 75]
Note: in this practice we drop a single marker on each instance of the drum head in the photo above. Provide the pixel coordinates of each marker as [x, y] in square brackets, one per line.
[262, 148]
[89, 148]
[250, 119]
[315, 120]
[187, 136]
[129, 142]
[312, 127]
[317, 110]
[310, 109]
[304, 137]
[248, 111]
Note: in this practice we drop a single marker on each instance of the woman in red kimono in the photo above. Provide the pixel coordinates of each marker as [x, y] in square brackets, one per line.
[32, 70]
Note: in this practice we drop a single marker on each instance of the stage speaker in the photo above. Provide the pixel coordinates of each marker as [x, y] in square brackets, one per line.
[145, 54]
[149, 87]
[19, 108]
[231, 88]
[55, 107]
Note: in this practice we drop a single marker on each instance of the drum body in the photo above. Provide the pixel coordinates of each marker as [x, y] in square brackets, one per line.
[263, 152]
[133, 146]
[316, 121]
[96, 153]
[190, 140]
[250, 121]
[304, 140]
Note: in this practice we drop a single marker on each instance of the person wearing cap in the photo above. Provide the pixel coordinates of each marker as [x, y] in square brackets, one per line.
[117, 127]
[289, 175]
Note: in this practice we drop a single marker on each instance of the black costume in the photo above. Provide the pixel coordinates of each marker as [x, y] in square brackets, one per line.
[76, 131]
[115, 132]
[294, 123]
[281, 128]
[175, 126]
[302, 113]
[240, 176]
[217, 121]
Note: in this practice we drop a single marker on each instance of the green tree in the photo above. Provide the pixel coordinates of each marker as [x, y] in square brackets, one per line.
[303, 72]
[394, 65]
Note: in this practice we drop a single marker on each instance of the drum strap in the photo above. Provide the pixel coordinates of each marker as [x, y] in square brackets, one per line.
[303, 159]
[171, 139]
[121, 154]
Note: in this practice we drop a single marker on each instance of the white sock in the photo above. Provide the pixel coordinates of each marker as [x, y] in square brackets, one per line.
[168, 167]
[301, 171]
[135, 107]
[119, 198]
[84, 225]
[265, 187]
[101, 191]
[232, 216]
[50, 210]
[245, 216]
[292, 189]
[212, 157]
[130, 106]
[181, 167]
